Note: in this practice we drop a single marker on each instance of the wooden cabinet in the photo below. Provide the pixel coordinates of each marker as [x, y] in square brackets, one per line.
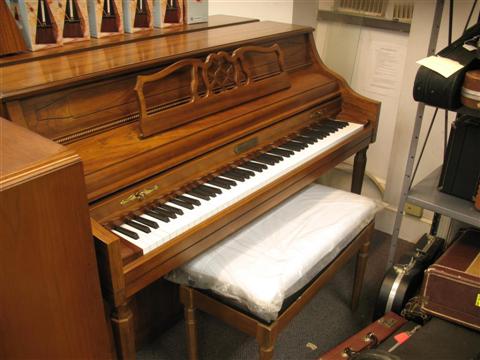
[50, 300]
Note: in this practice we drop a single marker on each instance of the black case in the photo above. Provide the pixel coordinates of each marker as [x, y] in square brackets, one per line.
[461, 169]
[433, 89]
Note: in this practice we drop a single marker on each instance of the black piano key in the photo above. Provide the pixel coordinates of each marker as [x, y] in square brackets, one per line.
[157, 216]
[267, 159]
[328, 127]
[189, 200]
[182, 203]
[233, 176]
[206, 192]
[161, 211]
[291, 145]
[211, 188]
[313, 133]
[127, 232]
[172, 208]
[340, 123]
[147, 222]
[281, 152]
[138, 226]
[244, 172]
[252, 166]
[223, 183]
[198, 194]
[305, 139]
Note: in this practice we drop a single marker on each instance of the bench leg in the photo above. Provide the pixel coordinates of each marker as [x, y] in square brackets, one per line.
[359, 164]
[266, 342]
[362, 257]
[191, 327]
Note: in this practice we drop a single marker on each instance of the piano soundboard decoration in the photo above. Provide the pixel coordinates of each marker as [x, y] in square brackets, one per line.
[75, 26]
[41, 21]
[137, 15]
[105, 17]
[172, 12]
[187, 139]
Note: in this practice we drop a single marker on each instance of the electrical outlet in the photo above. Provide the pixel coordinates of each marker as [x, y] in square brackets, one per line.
[413, 210]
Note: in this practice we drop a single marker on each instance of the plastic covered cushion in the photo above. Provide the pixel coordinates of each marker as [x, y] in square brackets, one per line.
[279, 253]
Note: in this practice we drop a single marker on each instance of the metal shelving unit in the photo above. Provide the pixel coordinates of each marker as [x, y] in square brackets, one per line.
[425, 193]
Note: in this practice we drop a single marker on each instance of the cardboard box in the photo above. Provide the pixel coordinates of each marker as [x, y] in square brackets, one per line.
[172, 13]
[137, 15]
[75, 15]
[42, 26]
[105, 17]
[196, 11]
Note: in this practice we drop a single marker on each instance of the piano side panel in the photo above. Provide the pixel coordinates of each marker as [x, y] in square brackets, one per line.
[355, 107]
[106, 104]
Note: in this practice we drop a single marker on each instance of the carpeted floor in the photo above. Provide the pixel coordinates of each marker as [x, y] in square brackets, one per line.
[324, 322]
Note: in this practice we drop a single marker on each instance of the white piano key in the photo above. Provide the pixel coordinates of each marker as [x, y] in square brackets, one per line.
[209, 208]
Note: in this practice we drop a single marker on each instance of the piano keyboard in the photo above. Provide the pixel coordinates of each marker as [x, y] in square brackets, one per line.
[162, 222]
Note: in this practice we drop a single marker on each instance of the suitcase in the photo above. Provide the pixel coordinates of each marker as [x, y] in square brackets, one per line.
[369, 337]
[451, 288]
[461, 169]
[470, 96]
[404, 279]
[433, 89]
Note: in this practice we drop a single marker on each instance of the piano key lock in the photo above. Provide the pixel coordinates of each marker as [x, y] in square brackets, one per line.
[139, 195]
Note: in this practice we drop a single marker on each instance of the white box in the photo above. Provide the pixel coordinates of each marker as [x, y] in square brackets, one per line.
[196, 11]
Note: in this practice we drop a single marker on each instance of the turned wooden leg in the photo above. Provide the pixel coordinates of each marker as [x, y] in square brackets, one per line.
[123, 331]
[362, 257]
[191, 327]
[359, 170]
[266, 342]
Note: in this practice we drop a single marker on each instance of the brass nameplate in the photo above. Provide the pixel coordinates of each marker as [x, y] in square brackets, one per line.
[139, 195]
[245, 146]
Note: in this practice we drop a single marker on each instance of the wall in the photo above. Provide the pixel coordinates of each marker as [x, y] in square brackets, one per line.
[281, 11]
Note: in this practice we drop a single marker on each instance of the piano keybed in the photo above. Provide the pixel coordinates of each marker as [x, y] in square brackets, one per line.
[160, 221]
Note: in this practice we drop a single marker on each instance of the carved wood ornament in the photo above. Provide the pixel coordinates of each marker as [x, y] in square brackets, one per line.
[228, 82]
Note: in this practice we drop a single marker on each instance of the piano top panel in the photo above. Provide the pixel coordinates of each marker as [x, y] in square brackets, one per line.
[48, 74]
[214, 21]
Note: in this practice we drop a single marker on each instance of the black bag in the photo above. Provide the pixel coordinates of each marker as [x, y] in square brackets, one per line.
[461, 168]
[433, 89]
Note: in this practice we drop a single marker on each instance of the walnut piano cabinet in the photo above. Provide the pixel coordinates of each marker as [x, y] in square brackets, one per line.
[155, 118]
[50, 300]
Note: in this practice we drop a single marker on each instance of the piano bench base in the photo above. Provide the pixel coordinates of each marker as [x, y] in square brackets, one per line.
[266, 333]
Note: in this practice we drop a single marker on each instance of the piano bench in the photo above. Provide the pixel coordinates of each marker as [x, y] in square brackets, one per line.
[260, 277]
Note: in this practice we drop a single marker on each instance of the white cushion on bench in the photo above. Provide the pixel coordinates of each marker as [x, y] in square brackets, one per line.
[279, 253]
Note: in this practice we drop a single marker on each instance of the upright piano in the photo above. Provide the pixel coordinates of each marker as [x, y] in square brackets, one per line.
[186, 137]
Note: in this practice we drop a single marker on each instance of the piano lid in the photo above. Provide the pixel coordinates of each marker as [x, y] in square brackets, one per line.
[54, 73]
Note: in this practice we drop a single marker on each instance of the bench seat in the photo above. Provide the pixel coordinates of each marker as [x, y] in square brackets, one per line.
[270, 259]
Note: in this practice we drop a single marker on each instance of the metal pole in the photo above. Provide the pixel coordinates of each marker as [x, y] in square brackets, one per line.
[414, 142]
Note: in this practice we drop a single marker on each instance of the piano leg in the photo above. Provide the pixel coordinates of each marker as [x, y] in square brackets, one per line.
[190, 322]
[123, 331]
[359, 170]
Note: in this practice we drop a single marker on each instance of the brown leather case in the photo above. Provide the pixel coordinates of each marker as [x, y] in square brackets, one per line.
[470, 96]
[369, 337]
[451, 287]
